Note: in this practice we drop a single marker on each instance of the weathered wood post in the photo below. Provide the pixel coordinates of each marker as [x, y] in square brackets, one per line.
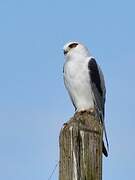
[81, 148]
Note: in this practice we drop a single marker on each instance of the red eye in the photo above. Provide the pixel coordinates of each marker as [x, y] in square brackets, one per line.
[73, 45]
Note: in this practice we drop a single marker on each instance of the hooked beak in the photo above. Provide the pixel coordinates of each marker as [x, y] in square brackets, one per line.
[65, 52]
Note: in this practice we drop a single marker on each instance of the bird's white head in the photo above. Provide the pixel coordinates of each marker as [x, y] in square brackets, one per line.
[73, 49]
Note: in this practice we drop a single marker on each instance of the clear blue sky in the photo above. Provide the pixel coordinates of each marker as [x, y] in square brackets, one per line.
[33, 101]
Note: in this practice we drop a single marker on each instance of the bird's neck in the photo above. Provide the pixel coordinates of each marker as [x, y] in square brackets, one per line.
[77, 57]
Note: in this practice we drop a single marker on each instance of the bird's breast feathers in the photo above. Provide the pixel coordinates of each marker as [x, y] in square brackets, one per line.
[77, 82]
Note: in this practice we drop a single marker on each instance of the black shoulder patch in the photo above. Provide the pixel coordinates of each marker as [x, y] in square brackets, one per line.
[94, 74]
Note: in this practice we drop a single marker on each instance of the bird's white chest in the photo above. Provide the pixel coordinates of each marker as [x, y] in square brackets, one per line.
[77, 82]
[75, 71]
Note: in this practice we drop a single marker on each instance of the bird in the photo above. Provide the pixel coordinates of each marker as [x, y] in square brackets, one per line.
[84, 81]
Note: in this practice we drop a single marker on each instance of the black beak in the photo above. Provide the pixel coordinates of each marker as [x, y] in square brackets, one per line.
[65, 52]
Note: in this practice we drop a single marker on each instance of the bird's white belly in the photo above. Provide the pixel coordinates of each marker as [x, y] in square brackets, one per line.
[77, 82]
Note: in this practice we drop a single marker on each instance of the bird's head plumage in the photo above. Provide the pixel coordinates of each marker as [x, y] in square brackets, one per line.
[75, 48]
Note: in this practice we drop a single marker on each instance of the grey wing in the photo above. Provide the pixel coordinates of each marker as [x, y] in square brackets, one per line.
[103, 89]
[103, 102]
[98, 85]
[99, 91]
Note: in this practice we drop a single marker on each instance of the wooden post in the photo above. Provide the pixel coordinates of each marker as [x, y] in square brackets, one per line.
[81, 148]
